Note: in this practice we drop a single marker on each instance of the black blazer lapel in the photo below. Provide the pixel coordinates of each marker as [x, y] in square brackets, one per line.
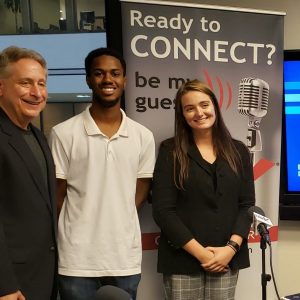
[19, 145]
[196, 156]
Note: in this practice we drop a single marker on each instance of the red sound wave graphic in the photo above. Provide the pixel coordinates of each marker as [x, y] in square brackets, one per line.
[221, 97]
[229, 95]
[208, 80]
[220, 88]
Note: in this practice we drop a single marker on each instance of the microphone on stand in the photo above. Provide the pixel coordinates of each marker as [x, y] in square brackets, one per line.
[110, 292]
[253, 102]
[261, 223]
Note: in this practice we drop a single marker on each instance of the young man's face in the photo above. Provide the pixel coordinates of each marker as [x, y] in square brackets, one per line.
[23, 92]
[106, 80]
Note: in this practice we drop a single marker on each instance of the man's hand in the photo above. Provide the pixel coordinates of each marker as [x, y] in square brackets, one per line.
[15, 296]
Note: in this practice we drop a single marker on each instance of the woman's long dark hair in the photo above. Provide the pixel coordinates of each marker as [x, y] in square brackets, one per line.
[221, 137]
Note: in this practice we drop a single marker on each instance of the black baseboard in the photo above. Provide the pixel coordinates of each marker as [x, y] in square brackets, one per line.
[289, 212]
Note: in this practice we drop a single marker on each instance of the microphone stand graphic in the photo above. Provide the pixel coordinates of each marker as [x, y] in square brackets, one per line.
[253, 102]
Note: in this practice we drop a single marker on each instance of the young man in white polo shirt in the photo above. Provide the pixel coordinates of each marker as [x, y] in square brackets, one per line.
[104, 164]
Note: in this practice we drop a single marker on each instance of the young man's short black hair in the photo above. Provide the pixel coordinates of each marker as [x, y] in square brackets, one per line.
[99, 52]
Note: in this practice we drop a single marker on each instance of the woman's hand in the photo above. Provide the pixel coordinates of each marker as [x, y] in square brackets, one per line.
[220, 260]
[203, 255]
[206, 256]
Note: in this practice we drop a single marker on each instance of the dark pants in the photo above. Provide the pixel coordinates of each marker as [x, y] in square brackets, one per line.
[83, 288]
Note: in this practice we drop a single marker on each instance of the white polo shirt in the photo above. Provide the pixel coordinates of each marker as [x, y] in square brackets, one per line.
[98, 230]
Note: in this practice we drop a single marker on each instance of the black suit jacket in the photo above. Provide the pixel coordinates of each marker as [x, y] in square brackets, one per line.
[211, 208]
[27, 216]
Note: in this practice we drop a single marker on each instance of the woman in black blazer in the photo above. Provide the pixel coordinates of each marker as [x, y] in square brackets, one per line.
[202, 189]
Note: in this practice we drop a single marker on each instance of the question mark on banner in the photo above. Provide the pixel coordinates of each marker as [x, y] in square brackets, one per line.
[273, 48]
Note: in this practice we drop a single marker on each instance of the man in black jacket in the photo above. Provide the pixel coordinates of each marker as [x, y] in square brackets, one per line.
[27, 181]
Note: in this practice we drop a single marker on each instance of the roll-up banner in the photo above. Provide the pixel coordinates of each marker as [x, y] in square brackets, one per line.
[232, 50]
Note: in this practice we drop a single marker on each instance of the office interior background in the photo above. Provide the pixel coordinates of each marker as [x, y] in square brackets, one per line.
[88, 17]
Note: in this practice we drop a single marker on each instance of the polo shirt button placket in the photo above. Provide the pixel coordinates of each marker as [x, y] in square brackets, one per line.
[108, 150]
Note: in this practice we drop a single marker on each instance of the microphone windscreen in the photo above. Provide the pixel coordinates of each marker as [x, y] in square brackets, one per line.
[254, 209]
[109, 292]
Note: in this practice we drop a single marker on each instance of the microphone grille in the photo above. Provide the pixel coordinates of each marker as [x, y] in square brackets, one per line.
[255, 209]
[253, 97]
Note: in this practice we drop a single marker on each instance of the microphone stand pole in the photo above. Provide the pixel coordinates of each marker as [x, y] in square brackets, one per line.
[264, 277]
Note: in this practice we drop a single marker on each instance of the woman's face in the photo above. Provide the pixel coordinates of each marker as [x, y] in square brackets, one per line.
[198, 111]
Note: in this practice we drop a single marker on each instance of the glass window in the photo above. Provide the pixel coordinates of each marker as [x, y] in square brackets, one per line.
[51, 16]
[55, 28]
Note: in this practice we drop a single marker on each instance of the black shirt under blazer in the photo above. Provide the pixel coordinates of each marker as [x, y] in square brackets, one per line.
[212, 207]
[28, 258]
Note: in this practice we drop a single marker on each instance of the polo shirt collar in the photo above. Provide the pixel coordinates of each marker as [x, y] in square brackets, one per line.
[92, 128]
[123, 130]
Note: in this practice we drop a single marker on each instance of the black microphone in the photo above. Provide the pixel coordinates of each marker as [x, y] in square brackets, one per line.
[110, 292]
[257, 217]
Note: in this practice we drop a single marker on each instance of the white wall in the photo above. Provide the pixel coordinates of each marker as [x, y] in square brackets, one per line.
[288, 257]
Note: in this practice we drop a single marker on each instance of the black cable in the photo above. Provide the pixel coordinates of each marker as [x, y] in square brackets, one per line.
[272, 272]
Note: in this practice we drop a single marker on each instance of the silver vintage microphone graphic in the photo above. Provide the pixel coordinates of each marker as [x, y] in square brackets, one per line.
[253, 102]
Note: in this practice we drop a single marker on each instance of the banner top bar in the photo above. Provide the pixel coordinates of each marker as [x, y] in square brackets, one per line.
[230, 8]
